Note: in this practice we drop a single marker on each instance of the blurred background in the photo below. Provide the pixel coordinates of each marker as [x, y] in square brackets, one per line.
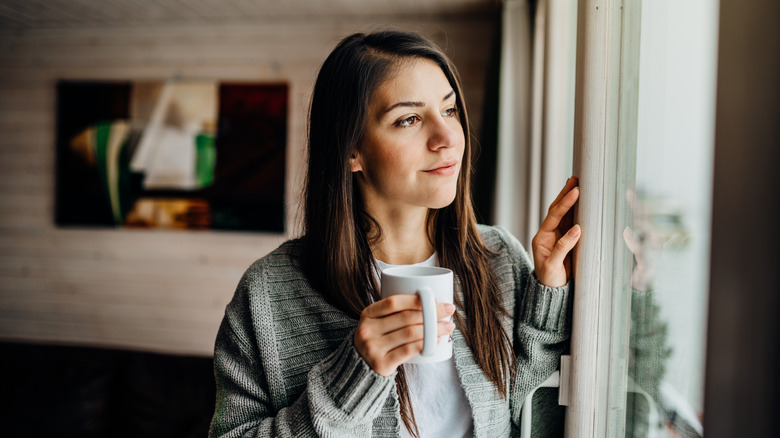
[108, 323]
[160, 290]
[151, 150]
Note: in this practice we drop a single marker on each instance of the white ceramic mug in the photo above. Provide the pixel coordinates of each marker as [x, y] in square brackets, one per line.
[432, 284]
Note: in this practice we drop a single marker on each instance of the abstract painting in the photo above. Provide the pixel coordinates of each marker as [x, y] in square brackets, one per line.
[174, 154]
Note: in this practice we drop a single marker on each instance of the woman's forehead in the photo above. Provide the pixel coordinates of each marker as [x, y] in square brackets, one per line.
[417, 80]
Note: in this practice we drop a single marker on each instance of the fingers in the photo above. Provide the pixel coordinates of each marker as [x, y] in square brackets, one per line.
[559, 209]
[401, 303]
[550, 245]
[563, 246]
[385, 353]
[444, 310]
[391, 331]
[411, 316]
[571, 183]
[415, 333]
[394, 304]
[406, 349]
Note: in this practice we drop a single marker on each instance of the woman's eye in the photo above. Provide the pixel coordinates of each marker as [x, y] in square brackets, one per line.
[409, 121]
[450, 112]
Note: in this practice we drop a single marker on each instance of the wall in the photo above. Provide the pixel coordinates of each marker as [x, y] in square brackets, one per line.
[154, 290]
[742, 396]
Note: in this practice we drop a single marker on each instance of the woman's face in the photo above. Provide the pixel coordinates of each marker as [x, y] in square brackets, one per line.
[413, 142]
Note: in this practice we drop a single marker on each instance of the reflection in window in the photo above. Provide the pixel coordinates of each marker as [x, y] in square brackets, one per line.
[671, 213]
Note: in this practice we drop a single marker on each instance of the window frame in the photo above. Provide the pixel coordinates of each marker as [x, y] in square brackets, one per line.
[605, 128]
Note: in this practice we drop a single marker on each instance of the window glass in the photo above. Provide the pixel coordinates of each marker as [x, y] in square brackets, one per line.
[669, 231]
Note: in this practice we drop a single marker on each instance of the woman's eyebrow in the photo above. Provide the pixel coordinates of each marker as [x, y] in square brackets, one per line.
[404, 104]
[415, 104]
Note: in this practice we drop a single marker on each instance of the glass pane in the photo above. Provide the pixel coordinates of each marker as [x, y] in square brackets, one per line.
[669, 233]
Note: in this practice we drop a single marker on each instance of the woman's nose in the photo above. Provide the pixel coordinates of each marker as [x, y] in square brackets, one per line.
[444, 133]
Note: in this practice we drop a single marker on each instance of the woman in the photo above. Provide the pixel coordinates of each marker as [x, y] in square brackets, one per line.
[308, 348]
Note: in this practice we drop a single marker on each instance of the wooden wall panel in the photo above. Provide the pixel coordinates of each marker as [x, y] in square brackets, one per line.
[161, 291]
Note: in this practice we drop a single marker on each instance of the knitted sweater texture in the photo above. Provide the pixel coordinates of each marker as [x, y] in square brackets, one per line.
[286, 366]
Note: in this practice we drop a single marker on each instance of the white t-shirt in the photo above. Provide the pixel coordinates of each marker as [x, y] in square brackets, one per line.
[438, 400]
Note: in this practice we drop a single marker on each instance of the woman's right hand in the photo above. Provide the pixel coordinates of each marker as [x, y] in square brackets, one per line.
[390, 331]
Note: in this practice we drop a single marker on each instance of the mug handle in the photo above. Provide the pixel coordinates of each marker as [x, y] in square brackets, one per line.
[429, 321]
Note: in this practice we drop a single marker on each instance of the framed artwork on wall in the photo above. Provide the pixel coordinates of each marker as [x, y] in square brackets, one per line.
[176, 154]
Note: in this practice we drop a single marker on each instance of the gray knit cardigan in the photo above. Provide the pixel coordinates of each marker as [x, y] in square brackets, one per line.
[285, 363]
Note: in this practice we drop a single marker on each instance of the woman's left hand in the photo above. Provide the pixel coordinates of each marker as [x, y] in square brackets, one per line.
[554, 240]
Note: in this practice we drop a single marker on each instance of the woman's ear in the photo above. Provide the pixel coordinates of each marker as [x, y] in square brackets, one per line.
[355, 164]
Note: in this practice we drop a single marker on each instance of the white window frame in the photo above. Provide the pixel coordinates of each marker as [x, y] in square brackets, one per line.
[604, 160]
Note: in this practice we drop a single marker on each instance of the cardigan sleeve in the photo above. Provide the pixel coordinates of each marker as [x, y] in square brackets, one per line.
[342, 396]
[542, 324]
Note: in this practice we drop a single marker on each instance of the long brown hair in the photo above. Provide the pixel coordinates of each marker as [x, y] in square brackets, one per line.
[339, 232]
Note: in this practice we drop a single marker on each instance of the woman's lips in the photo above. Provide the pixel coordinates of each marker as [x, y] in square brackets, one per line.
[446, 168]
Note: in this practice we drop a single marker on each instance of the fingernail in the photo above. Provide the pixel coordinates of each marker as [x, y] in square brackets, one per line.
[575, 231]
[450, 325]
[449, 308]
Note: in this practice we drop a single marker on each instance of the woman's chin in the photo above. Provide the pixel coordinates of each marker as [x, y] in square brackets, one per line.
[442, 201]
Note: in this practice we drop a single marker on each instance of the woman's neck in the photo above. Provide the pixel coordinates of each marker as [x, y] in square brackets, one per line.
[404, 238]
